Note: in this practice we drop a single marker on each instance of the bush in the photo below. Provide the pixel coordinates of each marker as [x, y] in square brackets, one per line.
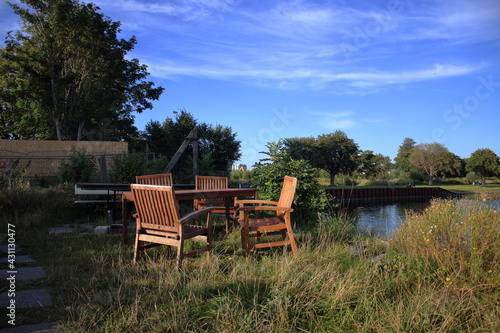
[80, 167]
[268, 177]
[128, 166]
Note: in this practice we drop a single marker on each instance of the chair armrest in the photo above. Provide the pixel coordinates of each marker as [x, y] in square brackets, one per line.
[255, 201]
[255, 208]
[194, 214]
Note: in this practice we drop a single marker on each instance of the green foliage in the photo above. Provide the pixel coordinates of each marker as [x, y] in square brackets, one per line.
[66, 75]
[128, 166]
[14, 178]
[333, 152]
[402, 159]
[435, 159]
[218, 148]
[33, 207]
[80, 167]
[484, 163]
[268, 175]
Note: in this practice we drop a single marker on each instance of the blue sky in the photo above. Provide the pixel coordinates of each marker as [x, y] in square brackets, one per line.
[380, 71]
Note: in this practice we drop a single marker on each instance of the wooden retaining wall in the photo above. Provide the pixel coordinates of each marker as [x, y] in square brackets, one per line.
[360, 196]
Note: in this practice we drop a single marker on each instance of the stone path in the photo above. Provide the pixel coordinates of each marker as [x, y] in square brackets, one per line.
[23, 269]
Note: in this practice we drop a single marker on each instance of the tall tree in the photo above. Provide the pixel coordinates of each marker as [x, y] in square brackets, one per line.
[76, 79]
[484, 162]
[432, 158]
[333, 152]
[402, 159]
[373, 165]
[217, 145]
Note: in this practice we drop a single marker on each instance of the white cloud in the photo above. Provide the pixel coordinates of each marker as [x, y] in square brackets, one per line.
[335, 120]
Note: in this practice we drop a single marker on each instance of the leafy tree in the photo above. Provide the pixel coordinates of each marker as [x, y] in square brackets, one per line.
[218, 147]
[402, 159]
[220, 144]
[333, 152]
[67, 72]
[432, 158]
[268, 176]
[368, 166]
[484, 163]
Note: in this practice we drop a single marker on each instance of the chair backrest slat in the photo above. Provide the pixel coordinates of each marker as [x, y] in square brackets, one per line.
[208, 183]
[287, 192]
[164, 179]
[156, 206]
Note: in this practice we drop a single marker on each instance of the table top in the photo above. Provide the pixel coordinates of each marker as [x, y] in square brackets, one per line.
[214, 193]
[119, 187]
[179, 194]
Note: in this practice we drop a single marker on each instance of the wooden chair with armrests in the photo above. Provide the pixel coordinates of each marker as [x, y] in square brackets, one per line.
[158, 222]
[210, 182]
[158, 179]
[278, 224]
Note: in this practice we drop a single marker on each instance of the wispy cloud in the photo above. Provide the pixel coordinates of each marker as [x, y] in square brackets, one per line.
[306, 45]
[335, 120]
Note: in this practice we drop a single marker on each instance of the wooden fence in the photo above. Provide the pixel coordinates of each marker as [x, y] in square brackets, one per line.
[44, 158]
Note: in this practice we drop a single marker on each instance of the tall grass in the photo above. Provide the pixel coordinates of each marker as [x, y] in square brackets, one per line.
[445, 280]
[458, 240]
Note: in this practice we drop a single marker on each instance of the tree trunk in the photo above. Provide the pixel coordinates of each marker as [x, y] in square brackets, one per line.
[58, 128]
[79, 135]
[332, 178]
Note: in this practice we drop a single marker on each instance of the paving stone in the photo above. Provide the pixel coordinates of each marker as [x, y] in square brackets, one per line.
[35, 328]
[19, 260]
[24, 273]
[27, 299]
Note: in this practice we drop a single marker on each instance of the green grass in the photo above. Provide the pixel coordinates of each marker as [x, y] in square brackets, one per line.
[445, 280]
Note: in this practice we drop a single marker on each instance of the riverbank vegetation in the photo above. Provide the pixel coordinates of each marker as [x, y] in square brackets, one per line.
[440, 273]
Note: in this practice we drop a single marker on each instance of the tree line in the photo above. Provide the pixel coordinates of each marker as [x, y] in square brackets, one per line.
[338, 154]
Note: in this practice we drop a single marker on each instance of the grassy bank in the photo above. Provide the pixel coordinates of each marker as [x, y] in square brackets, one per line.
[439, 274]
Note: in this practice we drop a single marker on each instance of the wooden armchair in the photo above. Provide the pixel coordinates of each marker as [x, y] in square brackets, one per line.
[158, 222]
[280, 224]
[209, 182]
[159, 179]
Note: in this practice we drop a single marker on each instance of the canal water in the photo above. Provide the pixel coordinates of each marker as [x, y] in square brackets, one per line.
[383, 220]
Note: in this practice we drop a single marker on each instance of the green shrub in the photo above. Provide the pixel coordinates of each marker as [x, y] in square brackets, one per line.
[80, 167]
[128, 166]
[268, 177]
[14, 177]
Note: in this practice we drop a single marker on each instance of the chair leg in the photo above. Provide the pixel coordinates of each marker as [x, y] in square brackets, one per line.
[245, 241]
[180, 253]
[138, 249]
[292, 243]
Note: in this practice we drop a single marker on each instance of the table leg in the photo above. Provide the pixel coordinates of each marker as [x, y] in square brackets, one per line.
[227, 203]
[125, 220]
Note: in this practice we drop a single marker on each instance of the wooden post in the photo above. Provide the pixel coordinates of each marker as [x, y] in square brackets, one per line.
[192, 137]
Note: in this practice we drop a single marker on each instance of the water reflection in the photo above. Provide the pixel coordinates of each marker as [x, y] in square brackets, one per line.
[383, 220]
